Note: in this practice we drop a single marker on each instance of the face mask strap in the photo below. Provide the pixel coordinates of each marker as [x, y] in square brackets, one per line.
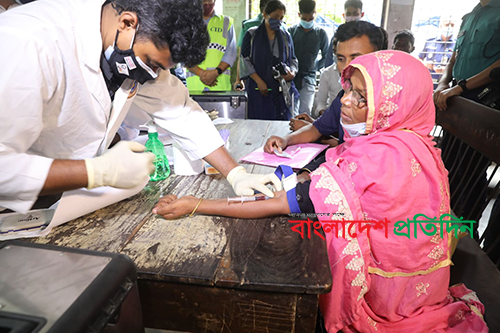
[133, 37]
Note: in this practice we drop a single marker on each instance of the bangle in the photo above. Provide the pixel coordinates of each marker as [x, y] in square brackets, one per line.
[195, 208]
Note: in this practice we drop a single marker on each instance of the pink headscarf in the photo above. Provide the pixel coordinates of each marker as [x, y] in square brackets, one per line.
[393, 172]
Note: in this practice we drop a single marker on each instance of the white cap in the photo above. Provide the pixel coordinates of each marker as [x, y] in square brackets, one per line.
[151, 126]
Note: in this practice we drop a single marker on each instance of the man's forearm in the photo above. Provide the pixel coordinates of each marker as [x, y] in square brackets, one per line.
[482, 78]
[448, 71]
[221, 160]
[306, 134]
[65, 175]
[195, 70]
[223, 65]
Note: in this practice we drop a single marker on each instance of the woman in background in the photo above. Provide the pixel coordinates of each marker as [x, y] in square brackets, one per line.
[263, 48]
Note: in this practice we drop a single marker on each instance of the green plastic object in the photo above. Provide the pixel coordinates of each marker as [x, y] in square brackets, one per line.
[154, 145]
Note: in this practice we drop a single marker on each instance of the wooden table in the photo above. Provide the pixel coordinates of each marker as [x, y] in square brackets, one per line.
[212, 274]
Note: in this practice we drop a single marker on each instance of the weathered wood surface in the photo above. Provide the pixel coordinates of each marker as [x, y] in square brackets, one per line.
[259, 254]
[475, 124]
[225, 310]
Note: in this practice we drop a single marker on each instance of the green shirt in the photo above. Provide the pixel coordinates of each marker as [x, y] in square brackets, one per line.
[478, 42]
[247, 25]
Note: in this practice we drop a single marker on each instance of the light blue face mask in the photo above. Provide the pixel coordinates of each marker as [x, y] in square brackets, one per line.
[354, 130]
[307, 24]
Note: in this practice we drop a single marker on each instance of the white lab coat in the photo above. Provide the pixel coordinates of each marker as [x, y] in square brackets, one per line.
[54, 103]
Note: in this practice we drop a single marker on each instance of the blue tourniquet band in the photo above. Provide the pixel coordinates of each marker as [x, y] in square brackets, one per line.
[286, 171]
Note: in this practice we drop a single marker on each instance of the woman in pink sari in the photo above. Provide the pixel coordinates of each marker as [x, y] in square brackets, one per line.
[388, 168]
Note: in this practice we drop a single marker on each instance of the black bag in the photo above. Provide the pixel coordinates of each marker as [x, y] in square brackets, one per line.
[490, 95]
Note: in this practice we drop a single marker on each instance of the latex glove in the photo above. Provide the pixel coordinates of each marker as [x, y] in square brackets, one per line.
[245, 183]
[123, 166]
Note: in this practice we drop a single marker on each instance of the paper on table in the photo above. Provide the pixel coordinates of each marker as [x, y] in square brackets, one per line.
[301, 155]
[76, 203]
[222, 121]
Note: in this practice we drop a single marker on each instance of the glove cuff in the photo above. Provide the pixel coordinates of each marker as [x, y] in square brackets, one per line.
[90, 173]
[233, 174]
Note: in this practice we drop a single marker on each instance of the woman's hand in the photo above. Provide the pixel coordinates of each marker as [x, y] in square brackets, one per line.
[289, 75]
[172, 208]
[262, 87]
[275, 142]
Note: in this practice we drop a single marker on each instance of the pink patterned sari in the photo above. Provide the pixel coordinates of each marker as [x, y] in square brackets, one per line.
[392, 284]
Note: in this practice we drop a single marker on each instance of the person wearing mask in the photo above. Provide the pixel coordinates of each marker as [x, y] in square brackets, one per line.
[308, 40]
[245, 25]
[214, 73]
[268, 58]
[381, 282]
[353, 40]
[438, 51]
[74, 72]
[404, 41]
[353, 11]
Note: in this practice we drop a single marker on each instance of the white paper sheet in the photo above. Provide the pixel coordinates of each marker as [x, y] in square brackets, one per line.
[76, 203]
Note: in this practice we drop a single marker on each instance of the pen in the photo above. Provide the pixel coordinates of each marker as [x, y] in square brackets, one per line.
[267, 89]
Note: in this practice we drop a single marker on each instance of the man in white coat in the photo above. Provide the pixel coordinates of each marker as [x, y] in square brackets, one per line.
[72, 69]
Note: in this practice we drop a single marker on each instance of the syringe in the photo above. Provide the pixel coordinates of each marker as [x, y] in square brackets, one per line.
[243, 199]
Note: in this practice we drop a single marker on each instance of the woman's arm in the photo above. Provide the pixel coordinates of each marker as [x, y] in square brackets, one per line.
[170, 207]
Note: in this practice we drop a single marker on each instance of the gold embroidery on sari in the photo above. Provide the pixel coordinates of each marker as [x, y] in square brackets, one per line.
[372, 323]
[460, 314]
[390, 89]
[390, 70]
[416, 168]
[359, 280]
[355, 264]
[421, 288]
[352, 167]
[436, 253]
[384, 56]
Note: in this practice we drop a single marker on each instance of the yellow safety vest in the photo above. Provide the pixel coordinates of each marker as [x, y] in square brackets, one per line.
[218, 29]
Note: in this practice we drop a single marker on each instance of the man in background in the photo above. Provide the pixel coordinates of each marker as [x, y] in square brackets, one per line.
[353, 11]
[404, 41]
[437, 51]
[308, 40]
[214, 73]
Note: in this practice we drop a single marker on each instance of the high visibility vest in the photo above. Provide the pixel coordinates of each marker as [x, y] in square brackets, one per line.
[218, 29]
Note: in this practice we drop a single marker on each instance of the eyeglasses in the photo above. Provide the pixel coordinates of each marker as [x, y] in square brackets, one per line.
[356, 98]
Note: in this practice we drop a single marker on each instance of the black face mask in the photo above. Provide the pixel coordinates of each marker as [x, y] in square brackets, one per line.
[124, 64]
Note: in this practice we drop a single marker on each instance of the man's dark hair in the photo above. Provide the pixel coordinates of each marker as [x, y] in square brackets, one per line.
[274, 5]
[307, 6]
[356, 29]
[177, 24]
[354, 3]
[405, 33]
[262, 5]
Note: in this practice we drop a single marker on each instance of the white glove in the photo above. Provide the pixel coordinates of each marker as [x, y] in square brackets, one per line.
[244, 183]
[123, 166]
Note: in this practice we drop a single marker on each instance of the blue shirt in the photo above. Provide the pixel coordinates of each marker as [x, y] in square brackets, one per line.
[437, 50]
[307, 46]
[329, 122]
